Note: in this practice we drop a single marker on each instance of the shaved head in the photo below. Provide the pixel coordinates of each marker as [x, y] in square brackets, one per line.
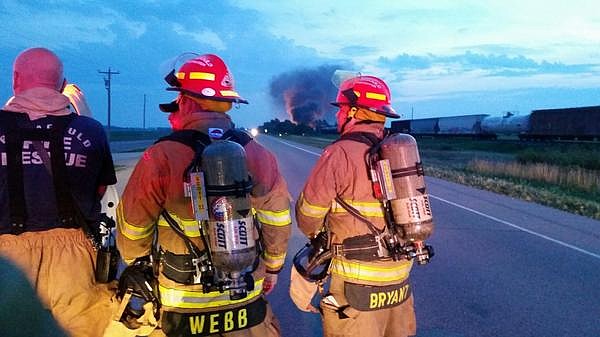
[37, 67]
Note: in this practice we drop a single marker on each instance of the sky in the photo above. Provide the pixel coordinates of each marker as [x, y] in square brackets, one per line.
[440, 58]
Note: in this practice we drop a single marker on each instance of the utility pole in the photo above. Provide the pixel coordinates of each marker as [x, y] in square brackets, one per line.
[144, 114]
[107, 86]
[412, 113]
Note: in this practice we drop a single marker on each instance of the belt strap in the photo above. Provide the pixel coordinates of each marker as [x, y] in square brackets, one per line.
[363, 247]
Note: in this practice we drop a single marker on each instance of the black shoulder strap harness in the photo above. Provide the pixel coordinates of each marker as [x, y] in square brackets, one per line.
[373, 142]
[197, 141]
[68, 211]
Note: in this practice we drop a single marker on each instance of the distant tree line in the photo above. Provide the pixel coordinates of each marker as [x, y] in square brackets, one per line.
[275, 126]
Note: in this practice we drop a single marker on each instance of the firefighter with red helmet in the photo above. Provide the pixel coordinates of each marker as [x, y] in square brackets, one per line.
[341, 212]
[190, 210]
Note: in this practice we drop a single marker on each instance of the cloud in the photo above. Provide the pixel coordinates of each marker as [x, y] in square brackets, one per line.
[62, 25]
[488, 64]
[204, 36]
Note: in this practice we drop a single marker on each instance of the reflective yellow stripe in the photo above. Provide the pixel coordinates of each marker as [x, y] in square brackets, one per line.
[190, 226]
[130, 231]
[313, 211]
[274, 218]
[180, 76]
[274, 261]
[374, 95]
[178, 298]
[366, 208]
[198, 75]
[361, 272]
[229, 93]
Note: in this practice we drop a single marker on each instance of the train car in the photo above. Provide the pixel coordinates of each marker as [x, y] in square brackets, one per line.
[467, 125]
[579, 124]
[401, 126]
[507, 125]
[424, 126]
[582, 123]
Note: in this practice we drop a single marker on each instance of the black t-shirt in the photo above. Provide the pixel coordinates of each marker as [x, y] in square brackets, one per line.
[88, 163]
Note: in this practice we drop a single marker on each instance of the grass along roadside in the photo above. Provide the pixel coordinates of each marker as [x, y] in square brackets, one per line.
[521, 170]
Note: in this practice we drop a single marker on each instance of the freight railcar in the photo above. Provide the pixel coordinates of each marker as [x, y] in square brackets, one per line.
[580, 124]
[467, 125]
[509, 124]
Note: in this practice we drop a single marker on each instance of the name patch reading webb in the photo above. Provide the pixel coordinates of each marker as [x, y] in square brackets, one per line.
[216, 322]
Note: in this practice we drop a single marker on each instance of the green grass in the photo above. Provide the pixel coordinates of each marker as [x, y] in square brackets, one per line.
[449, 159]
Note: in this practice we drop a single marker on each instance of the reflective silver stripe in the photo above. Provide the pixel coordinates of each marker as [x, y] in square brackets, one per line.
[366, 208]
[312, 211]
[178, 298]
[361, 272]
[274, 218]
[190, 226]
[274, 261]
[130, 231]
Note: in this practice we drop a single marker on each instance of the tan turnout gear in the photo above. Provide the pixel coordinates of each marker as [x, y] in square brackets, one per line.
[342, 171]
[156, 184]
[58, 263]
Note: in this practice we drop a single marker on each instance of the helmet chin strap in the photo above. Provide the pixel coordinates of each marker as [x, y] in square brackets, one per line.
[350, 116]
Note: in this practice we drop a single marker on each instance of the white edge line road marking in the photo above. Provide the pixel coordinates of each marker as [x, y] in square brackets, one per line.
[297, 147]
[564, 244]
[519, 228]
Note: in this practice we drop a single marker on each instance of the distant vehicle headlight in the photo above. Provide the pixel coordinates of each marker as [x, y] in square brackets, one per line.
[254, 132]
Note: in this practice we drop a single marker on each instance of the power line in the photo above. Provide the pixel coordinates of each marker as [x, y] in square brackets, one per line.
[107, 83]
[144, 114]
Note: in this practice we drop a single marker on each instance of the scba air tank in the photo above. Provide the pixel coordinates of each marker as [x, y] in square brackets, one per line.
[231, 225]
[410, 203]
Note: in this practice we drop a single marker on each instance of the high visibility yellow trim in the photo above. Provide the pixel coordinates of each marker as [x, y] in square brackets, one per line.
[374, 95]
[273, 261]
[362, 272]
[312, 211]
[198, 75]
[366, 208]
[229, 93]
[178, 298]
[130, 231]
[274, 218]
[180, 76]
[189, 226]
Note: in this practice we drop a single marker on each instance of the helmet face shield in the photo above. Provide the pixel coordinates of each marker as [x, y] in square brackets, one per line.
[171, 79]
[313, 260]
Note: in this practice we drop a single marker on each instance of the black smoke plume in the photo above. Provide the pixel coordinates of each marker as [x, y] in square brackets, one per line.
[305, 94]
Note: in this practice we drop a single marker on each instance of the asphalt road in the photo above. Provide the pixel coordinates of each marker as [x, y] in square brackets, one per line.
[503, 267]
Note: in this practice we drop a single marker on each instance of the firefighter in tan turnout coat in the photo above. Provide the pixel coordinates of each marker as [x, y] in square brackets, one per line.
[156, 188]
[369, 295]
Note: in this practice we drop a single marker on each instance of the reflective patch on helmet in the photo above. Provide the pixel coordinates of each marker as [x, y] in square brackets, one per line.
[374, 95]
[229, 93]
[208, 92]
[221, 209]
[198, 75]
[215, 133]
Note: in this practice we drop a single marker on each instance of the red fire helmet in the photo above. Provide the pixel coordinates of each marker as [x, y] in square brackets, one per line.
[205, 76]
[367, 92]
